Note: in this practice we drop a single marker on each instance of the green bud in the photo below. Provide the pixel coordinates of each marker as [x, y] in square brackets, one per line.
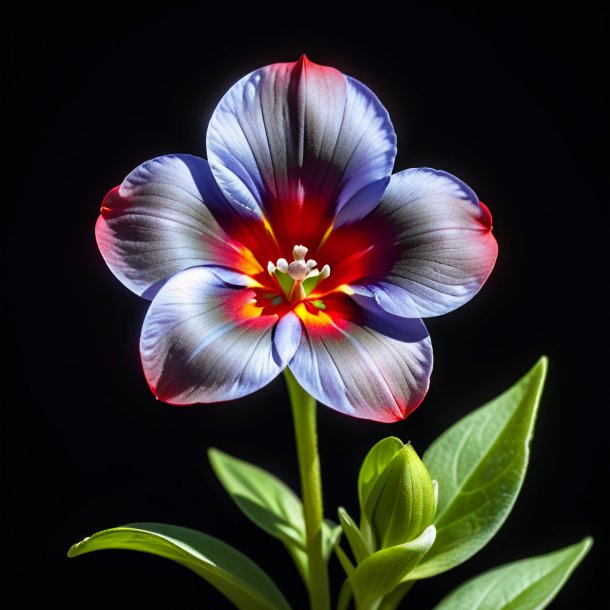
[399, 502]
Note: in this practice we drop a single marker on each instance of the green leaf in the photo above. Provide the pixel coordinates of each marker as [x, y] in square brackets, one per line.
[270, 504]
[345, 596]
[384, 570]
[225, 568]
[266, 501]
[262, 497]
[391, 600]
[357, 543]
[331, 534]
[480, 464]
[344, 560]
[529, 584]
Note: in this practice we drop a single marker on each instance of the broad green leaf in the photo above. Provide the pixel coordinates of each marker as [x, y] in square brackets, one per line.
[384, 570]
[270, 504]
[232, 573]
[262, 497]
[480, 464]
[529, 584]
[360, 547]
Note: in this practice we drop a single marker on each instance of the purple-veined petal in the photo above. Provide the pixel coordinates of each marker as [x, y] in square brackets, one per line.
[447, 248]
[205, 340]
[297, 143]
[363, 361]
[158, 222]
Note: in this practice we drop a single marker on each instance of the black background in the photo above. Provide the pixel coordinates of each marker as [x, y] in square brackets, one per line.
[511, 104]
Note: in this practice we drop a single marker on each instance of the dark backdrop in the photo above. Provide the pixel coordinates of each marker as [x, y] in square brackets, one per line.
[513, 105]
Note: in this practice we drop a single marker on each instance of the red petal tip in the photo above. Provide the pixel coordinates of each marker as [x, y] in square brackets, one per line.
[486, 216]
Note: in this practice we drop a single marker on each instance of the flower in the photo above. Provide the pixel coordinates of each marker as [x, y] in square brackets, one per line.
[293, 246]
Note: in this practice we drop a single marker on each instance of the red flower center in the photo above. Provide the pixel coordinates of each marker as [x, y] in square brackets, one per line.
[361, 252]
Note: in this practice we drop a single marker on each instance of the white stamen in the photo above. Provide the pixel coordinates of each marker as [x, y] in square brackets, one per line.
[297, 270]
[299, 253]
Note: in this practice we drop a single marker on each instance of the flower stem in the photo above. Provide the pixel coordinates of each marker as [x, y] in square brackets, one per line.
[305, 428]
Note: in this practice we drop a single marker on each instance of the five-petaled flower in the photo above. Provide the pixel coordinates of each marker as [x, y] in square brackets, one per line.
[292, 245]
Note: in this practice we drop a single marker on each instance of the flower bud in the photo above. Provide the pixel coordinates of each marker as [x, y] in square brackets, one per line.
[403, 500]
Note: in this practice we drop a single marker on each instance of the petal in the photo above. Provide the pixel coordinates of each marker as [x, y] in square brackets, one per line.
[287, 336]
[444, 232]
[205, 340]
[363, 361]
[297, 143]
[159, 222]
[391, 298]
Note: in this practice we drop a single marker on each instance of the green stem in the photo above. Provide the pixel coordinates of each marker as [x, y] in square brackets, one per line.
[304, 414]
